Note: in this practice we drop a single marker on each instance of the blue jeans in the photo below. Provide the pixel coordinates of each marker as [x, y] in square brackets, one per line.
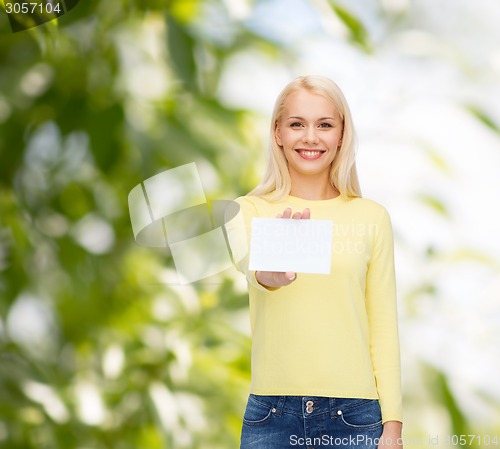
[310, 422]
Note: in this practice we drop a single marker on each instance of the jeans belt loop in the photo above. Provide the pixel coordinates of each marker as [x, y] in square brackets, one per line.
[279, 406]
[333, 408]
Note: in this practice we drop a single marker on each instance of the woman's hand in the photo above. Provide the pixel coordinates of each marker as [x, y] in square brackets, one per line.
[391, 436]
[279, 278]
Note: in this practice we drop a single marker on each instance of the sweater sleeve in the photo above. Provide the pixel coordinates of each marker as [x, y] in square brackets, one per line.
[238, 226]
[383, 320]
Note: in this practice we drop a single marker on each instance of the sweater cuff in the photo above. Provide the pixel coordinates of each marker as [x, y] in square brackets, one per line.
[394, 413]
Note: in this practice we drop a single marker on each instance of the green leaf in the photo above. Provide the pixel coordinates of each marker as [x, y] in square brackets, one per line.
[439, 383]
[358, 33]
[471, 254]
[437, 159]
[434, 203]
[181, 49]
[483, 117]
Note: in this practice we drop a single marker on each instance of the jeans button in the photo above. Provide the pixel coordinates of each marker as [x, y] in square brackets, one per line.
[309, 403]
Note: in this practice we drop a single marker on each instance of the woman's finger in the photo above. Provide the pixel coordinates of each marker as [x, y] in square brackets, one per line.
[287, 213]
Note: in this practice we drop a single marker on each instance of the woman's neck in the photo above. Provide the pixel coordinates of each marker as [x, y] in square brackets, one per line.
[309, 188]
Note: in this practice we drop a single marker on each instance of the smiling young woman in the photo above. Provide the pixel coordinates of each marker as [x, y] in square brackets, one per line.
[325, 348]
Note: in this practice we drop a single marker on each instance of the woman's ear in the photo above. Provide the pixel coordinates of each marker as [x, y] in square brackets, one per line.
[277, 134]
[340, 141]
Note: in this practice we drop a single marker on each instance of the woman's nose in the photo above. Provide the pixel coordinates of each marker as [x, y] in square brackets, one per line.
[310, 135]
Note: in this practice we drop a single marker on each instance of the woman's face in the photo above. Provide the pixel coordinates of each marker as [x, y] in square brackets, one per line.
[309, 132]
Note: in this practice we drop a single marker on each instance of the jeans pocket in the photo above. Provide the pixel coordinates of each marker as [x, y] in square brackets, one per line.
[363, 414]
[257, 412]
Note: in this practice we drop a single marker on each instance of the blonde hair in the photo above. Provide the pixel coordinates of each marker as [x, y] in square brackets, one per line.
[276, 182]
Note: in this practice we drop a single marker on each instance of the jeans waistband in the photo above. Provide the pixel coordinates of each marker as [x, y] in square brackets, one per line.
[309, 405]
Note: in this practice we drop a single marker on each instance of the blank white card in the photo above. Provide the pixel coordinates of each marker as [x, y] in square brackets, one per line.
[280, 244]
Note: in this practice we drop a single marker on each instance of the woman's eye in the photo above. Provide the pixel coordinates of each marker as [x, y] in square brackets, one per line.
[325, 125]
[295, 124]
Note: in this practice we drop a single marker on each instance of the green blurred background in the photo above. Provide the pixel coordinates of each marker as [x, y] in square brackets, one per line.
[98, 349]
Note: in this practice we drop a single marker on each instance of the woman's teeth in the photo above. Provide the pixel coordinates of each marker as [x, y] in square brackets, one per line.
[310, 153]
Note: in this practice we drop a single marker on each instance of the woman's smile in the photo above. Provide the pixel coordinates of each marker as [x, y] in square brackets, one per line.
[309, 154]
